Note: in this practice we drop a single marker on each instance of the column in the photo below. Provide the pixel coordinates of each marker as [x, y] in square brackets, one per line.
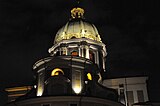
[79, 51]
[66, 50]
[104, 66]
[40, 86]
[87, 51]
[97, 58]
[145, 93]
[135, 96]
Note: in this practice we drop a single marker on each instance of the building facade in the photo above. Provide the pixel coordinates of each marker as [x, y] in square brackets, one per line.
[15, 92]
[131, 90]
[72, 74]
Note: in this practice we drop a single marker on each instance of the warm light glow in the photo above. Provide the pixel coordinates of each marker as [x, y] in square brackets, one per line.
[89, 76]
[35, 86]
[83, 32]
[39, 92]
[74, 53]
[76, 81]
[77, 89]
[77, 12]
[57, 71]
[18, 89]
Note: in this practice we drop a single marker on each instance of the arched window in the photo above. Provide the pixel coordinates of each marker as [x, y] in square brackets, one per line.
[57, 53]
[73, 37]
[57, 71]
[91, 56]
[74, 53]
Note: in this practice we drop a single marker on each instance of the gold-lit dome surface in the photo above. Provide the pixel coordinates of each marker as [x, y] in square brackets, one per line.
[77, 27]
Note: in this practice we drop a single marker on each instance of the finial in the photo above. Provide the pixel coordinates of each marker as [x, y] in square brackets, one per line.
[77, 12]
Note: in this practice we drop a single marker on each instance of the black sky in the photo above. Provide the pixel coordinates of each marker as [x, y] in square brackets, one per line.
[129, 29]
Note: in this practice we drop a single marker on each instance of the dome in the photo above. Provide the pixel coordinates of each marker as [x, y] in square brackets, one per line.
[77, 27]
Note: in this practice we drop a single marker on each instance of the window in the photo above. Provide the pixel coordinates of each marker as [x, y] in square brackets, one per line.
[140, 96]
[57, 71]
[73, 37]
[84, 52]
[121, 86]
[74, 53]
[57, 53]
[122, 96]
[73, 50]
[130, 98]
[100, 60]
[91, 56]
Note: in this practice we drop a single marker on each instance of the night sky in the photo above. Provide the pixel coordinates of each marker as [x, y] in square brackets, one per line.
[130, 30]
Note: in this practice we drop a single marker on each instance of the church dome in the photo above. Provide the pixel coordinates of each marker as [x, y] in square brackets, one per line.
[77, 27]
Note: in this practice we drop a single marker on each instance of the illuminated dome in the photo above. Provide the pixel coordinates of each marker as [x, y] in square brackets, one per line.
[77, 27]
